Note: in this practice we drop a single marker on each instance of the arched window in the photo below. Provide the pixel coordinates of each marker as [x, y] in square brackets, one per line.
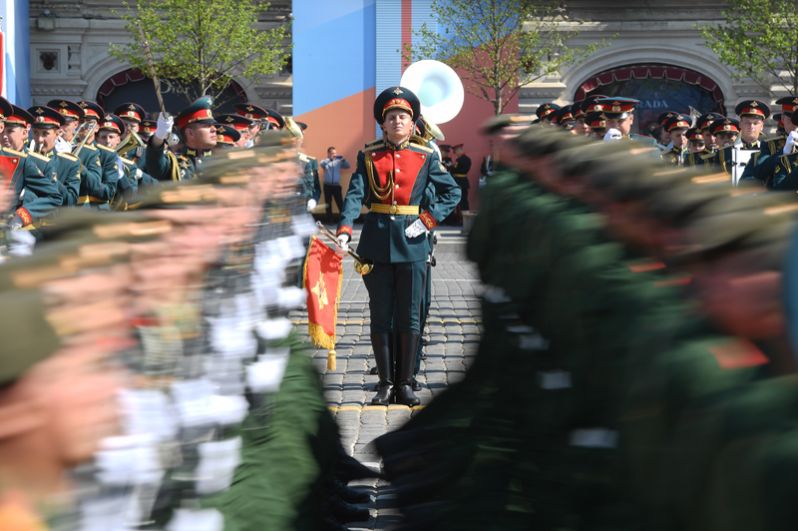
[133, 85]
[659, 88]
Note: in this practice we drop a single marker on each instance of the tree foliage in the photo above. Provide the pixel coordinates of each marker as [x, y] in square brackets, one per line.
[759, 40]
[199, 45]
[498, 46]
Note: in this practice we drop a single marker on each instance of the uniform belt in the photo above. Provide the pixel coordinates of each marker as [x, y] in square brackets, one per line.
[460, 174]
[401, 210]
[90, 199]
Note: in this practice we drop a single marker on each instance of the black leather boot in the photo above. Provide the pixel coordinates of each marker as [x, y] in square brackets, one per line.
[405, 366]
[381, 343]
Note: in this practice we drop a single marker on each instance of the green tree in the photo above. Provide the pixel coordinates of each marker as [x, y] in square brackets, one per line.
[498, 46]
[200, 44]
[759, 40]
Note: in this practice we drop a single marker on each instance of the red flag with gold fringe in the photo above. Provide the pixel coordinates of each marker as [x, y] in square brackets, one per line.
[323, 277]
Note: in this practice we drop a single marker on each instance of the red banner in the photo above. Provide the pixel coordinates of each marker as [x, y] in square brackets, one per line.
[323, 277]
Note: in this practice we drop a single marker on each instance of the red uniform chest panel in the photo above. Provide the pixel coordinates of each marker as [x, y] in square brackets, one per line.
[404, 165]
[8, 165]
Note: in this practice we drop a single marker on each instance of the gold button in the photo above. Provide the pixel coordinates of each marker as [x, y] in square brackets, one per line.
[394, 203]
[397, 186]
[397, 170]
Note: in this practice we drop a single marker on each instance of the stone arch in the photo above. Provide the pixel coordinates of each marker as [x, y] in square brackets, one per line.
[108, 68]
[697, 58]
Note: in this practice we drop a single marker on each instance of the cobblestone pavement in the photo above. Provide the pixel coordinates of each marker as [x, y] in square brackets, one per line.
[452, 334]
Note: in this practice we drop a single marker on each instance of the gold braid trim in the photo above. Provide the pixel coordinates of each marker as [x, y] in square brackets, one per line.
[381, 193]
[174, 166]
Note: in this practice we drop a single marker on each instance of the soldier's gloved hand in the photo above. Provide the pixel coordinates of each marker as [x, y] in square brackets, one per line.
[62, 146]
[789, 145]
[311, 204]
[343, 242]
[139, 173]
[612, 135]
[417, 228]
[164, 126]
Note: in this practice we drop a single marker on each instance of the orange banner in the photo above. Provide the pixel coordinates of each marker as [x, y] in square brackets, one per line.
[323, 277]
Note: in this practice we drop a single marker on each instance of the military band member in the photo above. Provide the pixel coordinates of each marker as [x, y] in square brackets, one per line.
[620, 113]
[35, 194]
[132, 115]
[391, 178]
[545, 110]
[258, 115]
[243, 125]
[197, 128]
[226, 137]
[62, 166]
[565, 118]
[98, 194]
[726, 131]
[146, 129]
[111, 131]
[784, 173]
[91, 169]
[695, 147]
[662, 135]
[762, 166]
[596, 122]
[703, 124]
[580, 128]
[677, 126]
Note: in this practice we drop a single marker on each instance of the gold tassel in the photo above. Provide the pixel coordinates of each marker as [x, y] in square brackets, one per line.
[331, 360]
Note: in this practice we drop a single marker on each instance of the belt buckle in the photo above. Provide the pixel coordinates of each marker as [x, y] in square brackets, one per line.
[393, 210]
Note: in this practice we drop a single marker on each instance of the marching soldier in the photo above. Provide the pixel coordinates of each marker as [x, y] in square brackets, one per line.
[61, 166]
[35, 194]
[197, 128]
[565, 118]
[96, 194]
[111, 131]
[596, 123]
[391, 179]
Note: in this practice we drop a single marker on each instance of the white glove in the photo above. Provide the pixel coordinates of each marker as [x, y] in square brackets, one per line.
[417, 228]
[343, 242]
[311, 204]
[62, 146]
[138, 174]
[164, 126]
[612, 135]
[789, 145]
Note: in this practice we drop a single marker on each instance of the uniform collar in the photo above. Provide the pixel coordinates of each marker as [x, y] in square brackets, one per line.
[395, 147]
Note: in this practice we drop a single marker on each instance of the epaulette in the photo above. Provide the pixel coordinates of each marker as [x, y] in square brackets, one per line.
[311, 157]
[375, 144]
[68, 156]
[419, 143]
[15, 152]
[105, 148]
[303, 157]
[37, 155]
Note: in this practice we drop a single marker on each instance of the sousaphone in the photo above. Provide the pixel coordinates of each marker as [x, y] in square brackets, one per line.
[438, 87]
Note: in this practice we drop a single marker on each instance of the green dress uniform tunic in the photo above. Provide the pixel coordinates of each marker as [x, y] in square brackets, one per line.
[391, 180]
[91, 170]
[65, 169]
[762, 165]
[98, 193]
[25, 176]
[164, 165]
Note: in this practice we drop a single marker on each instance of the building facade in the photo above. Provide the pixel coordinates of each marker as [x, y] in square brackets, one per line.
[70, 57]
[655, 53]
